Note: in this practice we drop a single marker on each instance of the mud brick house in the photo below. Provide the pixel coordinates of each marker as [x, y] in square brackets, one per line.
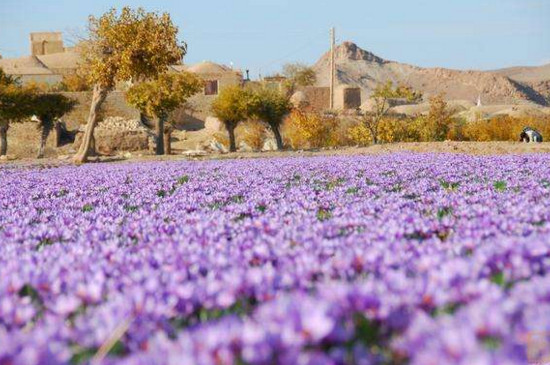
[48, 62]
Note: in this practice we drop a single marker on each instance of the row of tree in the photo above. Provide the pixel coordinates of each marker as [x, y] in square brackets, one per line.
[270, 106]
[19, 103]
[130, 46]
[236, 104]
[138, 47]
[159, 97]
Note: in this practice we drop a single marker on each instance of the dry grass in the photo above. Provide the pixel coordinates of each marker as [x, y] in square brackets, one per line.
[253, 134]
[304, 130]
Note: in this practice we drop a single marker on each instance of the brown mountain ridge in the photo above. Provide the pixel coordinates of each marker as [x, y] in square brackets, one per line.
[357, 67]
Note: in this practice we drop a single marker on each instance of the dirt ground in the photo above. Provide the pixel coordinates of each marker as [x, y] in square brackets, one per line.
[23, 141]
[63, 155]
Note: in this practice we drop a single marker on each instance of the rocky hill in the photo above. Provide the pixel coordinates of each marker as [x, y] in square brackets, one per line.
[360, 68]
[537, 78]
[526, 74]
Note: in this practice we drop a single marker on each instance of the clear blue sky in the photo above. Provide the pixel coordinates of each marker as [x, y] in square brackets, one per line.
[264, 34]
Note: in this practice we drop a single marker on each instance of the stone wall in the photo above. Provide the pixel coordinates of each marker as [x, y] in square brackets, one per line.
[190, 117]
[198, 108]
[193, 115]
[115, 106]
[49, 79]
[318, 98]
[117, 134]
[346, 98]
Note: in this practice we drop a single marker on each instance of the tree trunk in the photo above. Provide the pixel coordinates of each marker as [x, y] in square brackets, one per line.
[374, 134]
[159, 131]
[45, 128]
[167, 141]
[144, 119]
[99, 95]
[3, 139]
[57, 132]
[231, 131]
[92, 151]
[277, 133]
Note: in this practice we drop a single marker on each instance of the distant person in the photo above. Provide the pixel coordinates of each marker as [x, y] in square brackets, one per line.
[530, 135]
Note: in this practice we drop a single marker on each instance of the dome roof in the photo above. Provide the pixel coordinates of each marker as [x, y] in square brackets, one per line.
[208, 68]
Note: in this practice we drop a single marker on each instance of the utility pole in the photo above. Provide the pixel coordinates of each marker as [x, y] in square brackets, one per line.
[332, 66]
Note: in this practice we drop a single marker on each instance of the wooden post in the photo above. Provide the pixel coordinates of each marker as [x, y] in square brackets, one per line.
[332, 66]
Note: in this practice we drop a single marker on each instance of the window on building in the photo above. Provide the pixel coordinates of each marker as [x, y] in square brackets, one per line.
[211, 87]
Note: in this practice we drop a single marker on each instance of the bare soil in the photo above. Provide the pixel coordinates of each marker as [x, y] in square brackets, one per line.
[473, 148]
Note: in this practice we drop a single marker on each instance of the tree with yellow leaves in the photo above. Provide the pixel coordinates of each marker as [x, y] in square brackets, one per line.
[381, 96]
[132, 45]
[47, 109]
[439, 121]
[232, 106]
[160, 97]
[271, 107]
[14, 106]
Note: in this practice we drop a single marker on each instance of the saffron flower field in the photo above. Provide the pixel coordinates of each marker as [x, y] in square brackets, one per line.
[391, 259]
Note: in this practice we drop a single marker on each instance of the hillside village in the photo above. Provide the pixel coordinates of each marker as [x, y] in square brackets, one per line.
[50, 61]
[516, 92]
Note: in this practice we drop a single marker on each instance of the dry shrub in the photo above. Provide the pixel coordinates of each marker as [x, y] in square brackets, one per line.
[222, 138]
[75, 83]
[504, 128]
[440, 127]
[253, 133]
[457, 130]
[495, 129]
[311, 130]
[430, 129]
[400, 130]
[340, 135]
[39, 86]
[359, 135]
[437, 124]
[390, 130]
[304, 130]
